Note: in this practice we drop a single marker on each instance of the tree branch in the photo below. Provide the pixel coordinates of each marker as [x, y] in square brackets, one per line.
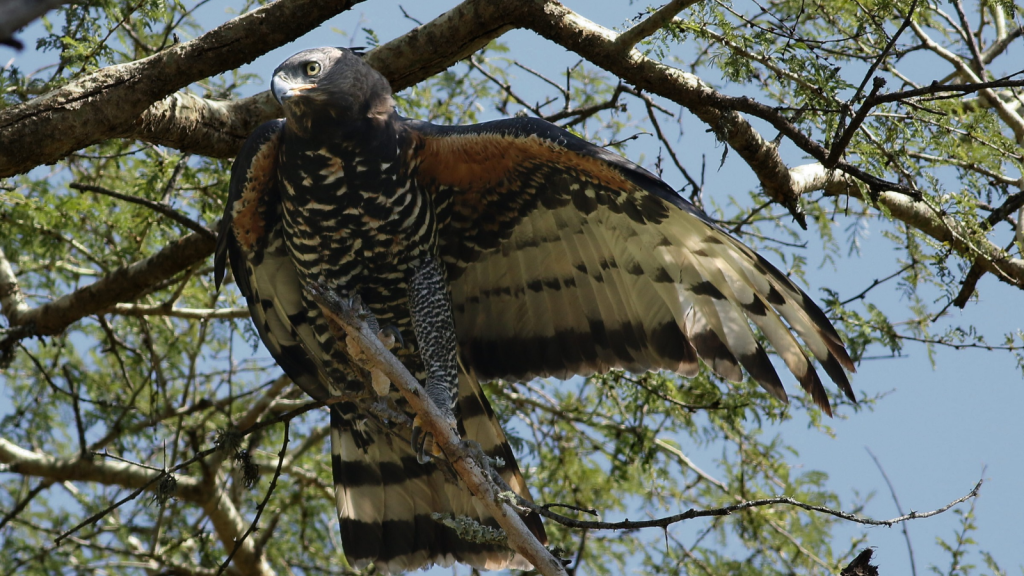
[105, 104]
[158, 207]
[122, 285]
[729, 510]
[919, 215]
[171, 312]
[648, 26]
[12, 302]
[472, 472]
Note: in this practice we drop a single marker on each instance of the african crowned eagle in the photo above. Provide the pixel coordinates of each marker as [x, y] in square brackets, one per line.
[509, 249]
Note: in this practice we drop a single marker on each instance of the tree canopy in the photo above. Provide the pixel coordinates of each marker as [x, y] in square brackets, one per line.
[142, 426]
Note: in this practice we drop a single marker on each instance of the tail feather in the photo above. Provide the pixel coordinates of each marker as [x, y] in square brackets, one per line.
[386, 498]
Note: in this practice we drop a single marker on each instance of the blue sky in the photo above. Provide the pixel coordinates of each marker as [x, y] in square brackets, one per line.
[939, 430]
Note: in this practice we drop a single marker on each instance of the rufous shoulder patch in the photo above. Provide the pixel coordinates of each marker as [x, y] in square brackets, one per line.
[477, 162]
[248, 214]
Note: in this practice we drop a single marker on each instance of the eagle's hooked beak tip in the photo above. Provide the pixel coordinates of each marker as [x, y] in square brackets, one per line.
[283, 90]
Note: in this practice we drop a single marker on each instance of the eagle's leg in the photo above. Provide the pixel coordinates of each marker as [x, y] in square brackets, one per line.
[434, 326]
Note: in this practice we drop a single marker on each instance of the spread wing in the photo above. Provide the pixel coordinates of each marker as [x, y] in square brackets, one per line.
[565, 258]
[385, 497]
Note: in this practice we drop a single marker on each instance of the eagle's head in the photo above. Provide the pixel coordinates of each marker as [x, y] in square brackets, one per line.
[324, 84]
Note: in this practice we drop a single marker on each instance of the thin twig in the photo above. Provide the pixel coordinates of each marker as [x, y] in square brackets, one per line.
[899, 508]
[970, 283]
[877, 282]
[965, 88]
[729, 510]
[844, 139]
[843, 133]
[155, 206]
[262, 505]
[649, 104]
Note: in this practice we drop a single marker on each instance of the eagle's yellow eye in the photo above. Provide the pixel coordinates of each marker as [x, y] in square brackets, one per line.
[312, 68]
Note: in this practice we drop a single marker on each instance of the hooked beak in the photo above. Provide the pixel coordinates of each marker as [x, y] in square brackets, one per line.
[283, 89]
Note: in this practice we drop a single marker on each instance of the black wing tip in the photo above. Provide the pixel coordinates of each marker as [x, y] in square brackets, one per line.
[834, 368]
[811, 384]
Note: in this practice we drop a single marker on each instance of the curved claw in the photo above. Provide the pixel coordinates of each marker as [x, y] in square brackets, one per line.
[390, 336]
[419, 440]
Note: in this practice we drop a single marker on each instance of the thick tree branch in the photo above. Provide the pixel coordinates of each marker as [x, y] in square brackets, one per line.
[106, 103]
[122, 285]
[12, 302]
[218, 128]
[214, 128]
